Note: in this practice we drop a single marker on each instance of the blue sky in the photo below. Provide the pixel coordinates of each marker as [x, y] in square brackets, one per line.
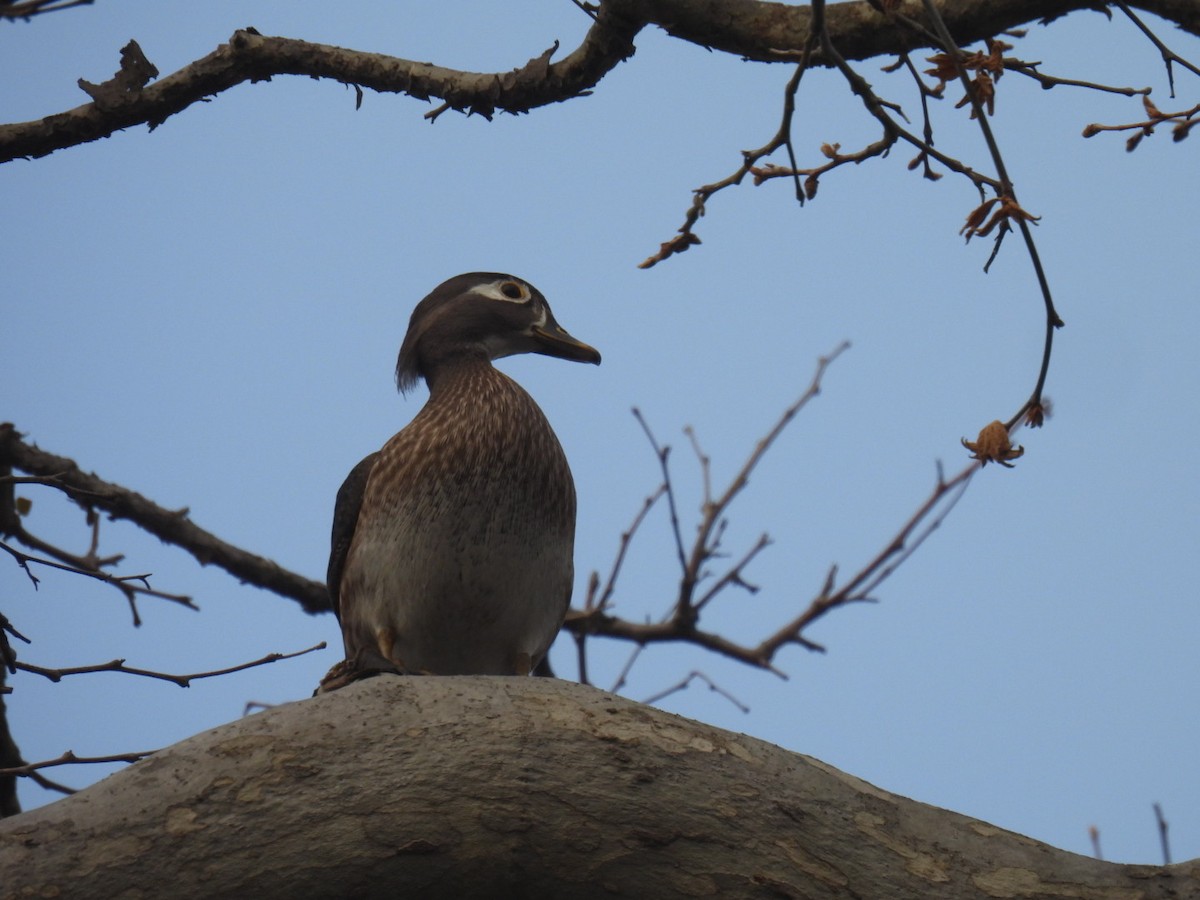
[209, 314]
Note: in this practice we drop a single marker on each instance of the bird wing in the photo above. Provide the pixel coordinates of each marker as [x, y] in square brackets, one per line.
[345, 518]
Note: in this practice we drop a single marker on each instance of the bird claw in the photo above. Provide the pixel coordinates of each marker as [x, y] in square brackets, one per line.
[367, 663]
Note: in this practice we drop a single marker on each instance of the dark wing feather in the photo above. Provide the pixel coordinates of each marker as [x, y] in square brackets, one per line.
[345, 518]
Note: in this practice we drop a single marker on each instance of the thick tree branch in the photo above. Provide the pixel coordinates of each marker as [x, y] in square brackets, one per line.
[171, 526]
[250, 56]
[759, 31]
[765, 32]
[519, 787]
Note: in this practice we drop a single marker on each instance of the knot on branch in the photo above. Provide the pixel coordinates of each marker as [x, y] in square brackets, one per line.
[126, 85]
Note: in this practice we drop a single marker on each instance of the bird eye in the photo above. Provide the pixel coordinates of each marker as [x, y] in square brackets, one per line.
[512, 290]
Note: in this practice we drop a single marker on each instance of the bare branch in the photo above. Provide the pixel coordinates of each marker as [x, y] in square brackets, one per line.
[707, 540]
[667, 631]
[1169, 56]
[600, 600]
[686, 682]
[623, 675]
[1162, 834]
[125, 583]
[928, 517]
[663, 453]
[681, 623]
[27, 9]
[753, 30]
[1030, 70]
[1184, 122]
[43, 782]
[70, 759]
[8, 656]
[126, 101]
[734, 575]
[118, 665]
[1006, 192]
[171, 526]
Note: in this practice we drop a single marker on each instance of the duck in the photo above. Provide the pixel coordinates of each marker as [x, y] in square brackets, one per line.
[452, 546]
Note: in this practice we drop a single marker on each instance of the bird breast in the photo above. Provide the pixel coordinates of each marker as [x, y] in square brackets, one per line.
[464, 544]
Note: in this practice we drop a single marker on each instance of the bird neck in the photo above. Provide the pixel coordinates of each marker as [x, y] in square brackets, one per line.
[469, 372]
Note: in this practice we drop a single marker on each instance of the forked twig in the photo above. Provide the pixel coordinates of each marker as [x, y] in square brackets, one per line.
[1169, 56]
[860, 587]
[685, 237]
[685, 682]
[70, 759]
[118, 665]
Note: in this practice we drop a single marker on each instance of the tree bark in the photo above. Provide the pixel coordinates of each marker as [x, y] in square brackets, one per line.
[509, 787]
[761, 31]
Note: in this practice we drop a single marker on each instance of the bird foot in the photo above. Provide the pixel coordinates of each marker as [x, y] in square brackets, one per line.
[367, 663]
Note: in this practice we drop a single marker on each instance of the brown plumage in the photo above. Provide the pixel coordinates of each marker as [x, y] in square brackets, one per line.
[452, 547]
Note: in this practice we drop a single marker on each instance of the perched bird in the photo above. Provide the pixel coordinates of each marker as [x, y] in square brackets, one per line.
[452, 546]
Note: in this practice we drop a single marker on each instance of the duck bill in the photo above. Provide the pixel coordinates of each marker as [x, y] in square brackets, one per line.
[553, 340]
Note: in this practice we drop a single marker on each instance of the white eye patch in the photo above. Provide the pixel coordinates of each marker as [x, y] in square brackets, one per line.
[508, 290]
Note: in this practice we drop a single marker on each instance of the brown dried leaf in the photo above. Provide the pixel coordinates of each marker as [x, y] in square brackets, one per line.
[977, 216]
[943, 67]
[994, 445]
[985, 92]
[1008, 209]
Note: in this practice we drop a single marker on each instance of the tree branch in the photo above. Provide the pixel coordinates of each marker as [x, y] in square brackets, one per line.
[172, 526]
[311, 799]
[27, 9]
[118, 665]
[754, 30]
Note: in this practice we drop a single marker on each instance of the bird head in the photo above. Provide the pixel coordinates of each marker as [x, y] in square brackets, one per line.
[482, 315]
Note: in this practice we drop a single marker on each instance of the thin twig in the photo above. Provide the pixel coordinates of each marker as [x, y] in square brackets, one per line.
[623, 675]
[47, 784]
[589, 9]
[686, 682]
[118, 665]
[685, 237]
[1006, 191]
[70, 759]
[663, 453]
[1047, 82]
[30, 8]
[707, 540]
[171, 526]
[734, 575]
[1169, 56]
[1183, 120]
[680, 624]
[931, 513]
[601, 600]
[1162, 834]
[580, 638]
[124, 583]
